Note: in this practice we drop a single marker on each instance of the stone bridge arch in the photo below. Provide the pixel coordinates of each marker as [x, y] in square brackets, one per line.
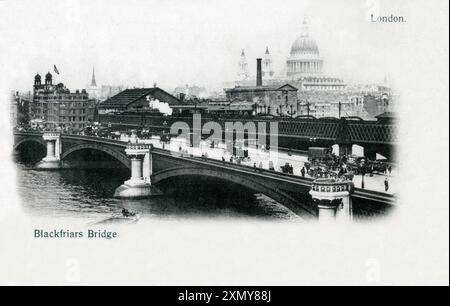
[275, 193]
[118, 154]
[19, 142]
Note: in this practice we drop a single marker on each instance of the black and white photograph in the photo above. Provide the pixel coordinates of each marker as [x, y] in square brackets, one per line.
[224, 143]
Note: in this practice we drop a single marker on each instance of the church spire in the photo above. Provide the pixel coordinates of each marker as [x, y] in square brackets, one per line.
[93, 82]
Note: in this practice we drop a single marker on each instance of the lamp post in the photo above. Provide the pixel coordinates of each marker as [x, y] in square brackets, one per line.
[363, 172]
[280, 110]
[165, 123]
[292, 112]
[340, 108]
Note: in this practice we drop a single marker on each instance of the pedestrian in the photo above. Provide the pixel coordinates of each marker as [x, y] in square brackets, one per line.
[254, 166]
[390, 169]
[386, 184]
[303, 171]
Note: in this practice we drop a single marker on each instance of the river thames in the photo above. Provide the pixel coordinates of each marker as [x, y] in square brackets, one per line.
[88, 193]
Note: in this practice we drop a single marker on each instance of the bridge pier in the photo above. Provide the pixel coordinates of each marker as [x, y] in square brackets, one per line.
[52, 159]
[332, 198]
[370, 152]
[345, 149]
[139, 185]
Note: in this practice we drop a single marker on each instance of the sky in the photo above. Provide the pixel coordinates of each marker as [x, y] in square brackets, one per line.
[197, 42]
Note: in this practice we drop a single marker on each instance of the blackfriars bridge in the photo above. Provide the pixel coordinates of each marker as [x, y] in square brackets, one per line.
[149, 166]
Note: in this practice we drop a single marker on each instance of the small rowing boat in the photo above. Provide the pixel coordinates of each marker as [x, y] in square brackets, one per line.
[119, 219]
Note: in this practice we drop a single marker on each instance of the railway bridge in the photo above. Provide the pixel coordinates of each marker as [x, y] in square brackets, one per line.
[374, 136]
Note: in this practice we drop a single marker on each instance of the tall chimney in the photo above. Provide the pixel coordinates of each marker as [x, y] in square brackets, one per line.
[258, 72]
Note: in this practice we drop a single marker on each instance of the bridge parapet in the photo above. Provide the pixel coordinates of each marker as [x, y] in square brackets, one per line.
[331, 186]
[51, 135]
[136, 149]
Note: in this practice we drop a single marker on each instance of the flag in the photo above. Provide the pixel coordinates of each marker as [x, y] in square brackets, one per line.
[56, 69]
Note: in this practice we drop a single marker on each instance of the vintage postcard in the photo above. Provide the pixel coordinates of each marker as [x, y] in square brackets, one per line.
[233, 143]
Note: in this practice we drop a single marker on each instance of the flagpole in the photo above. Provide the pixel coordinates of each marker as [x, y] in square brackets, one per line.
[56, 71]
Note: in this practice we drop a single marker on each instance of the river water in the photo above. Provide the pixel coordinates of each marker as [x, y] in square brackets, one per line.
[88, 193]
